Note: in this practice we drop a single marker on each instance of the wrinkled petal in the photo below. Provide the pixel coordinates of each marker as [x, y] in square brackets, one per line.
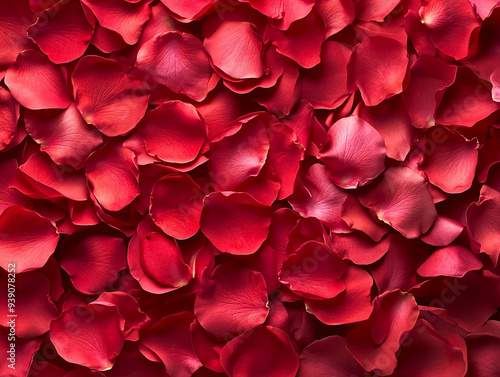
[110, 100]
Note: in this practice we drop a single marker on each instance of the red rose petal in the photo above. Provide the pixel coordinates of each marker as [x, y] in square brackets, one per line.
[187, 9]
[355, 154]
[112, 101]
[235, 222]
[443, 232]
[284, 12]
[325, 86]
[336, 14]
[429, 76]
[170, 340]
[25, 350]
[28, 247]
[232, 301]
[37, 83]
[112, 174]
[318, 197]
[374, 343]
[235, 49]
[454, 261]
[449, 25]
[34, 308]
[10, 196]
[255, 353]
[358, 248]
[127, 18]
[352, 305]
[391, 120]
[313, 271]
[483, 220]
[180, 139]
[9, 115]
[358, 217]
[132, 363]
[93, 260]
[62, 32]
[318, 360]
[302, 41]
[402, 200]
[377, 67]
[90, 336]
[64, 135]
[178, 61]
[176, 203]
[451, 162]
[374, 10]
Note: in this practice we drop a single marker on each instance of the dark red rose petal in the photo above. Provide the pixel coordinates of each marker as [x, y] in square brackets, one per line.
[93, 260]
[62, 32]
[232, 301]
[178, 61]
[374, 10]
[176, 203]
[255, 353]
[170, 340]
[235, 222]
[36, 83]
[9, 115]
[64, 135]
[355, 153]
[91, 335]
[28, 247]
[110, 100]
[402, 200]
[377, 67]
[177, 140]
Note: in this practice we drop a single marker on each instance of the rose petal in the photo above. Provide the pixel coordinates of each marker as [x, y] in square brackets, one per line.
[90, 335]
[358, 217]
[235, 222]
[255, 353]
[355, 154]
[325, 86]
[28, 247]
[402, 200]
[93, 260]
[112, 174]
[374, 10]
[62, 32]
[377, 67]
[318, 360]
[127, 18]
[112, 101]
[316, 196]
[313, 271]
[178, 61]
[232, 301]
[443, 232]
[336, 14]
[235, 49]
[449, 25]
[9, 115]
[284, 12]
[180, 139]
[352, 305]
[22, 357]
[358, 248]
[454, 261]
[176, 203]
[189, 10]
[170, 340]
[374, 343]
[36, 83]
[64, 135]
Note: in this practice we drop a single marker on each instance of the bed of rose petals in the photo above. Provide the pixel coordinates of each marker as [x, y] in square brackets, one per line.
[253, 188]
